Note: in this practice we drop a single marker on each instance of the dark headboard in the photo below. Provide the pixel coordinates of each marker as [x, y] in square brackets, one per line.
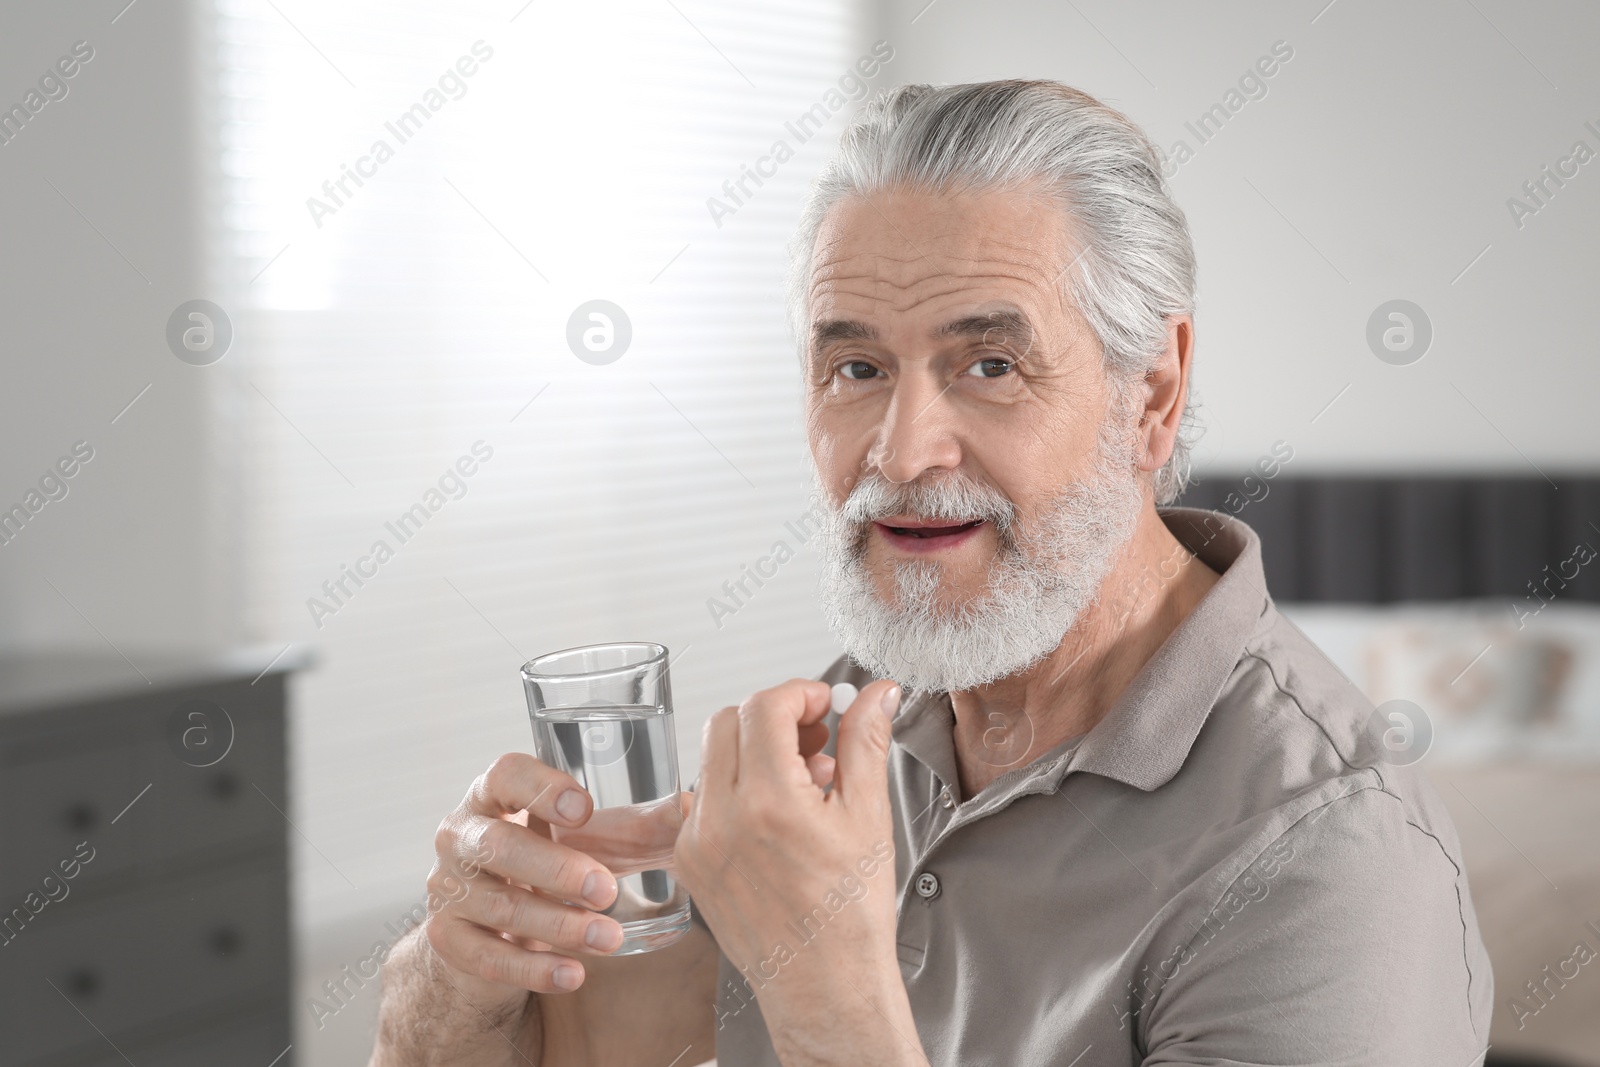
[1379, 540]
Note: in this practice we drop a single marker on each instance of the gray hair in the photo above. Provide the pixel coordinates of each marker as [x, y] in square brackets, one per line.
[1136, 265]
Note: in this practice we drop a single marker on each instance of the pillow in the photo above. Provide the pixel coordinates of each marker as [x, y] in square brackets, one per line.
[1491, 685]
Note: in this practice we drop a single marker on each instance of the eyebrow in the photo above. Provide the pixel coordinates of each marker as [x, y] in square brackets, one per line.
[1009, 320]
[831, 330]
[1012, 322]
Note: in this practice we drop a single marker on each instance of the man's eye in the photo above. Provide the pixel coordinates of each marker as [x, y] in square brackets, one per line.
[858, 370]
[990, 368]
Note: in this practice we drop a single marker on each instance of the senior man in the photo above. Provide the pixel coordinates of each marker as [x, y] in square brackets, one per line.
[1125, 813]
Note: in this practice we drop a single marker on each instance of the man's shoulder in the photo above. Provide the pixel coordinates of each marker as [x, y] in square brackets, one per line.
[1309, 742]
[1341, 846]
[1285, 676]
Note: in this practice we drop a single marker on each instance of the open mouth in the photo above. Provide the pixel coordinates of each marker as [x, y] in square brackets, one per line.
[932, 531]
[912, 535]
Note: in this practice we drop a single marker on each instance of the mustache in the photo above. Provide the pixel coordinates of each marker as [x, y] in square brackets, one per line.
[955, 497]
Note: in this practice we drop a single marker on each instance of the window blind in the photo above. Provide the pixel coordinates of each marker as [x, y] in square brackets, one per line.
[418, 197]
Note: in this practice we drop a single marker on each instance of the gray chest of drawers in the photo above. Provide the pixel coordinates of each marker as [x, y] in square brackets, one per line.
[144, 906]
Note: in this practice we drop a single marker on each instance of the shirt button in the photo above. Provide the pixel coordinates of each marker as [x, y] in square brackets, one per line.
[927, 885]
[947, 798]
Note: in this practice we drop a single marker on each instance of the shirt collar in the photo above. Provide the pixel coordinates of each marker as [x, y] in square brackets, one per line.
[1146, 736]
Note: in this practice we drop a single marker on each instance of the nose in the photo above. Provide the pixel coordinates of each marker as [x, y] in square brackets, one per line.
[917, 433]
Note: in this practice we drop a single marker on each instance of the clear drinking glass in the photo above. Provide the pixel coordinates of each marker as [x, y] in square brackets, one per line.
[603, 714]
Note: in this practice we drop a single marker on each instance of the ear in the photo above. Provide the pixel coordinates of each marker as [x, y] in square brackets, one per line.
[1167, 394]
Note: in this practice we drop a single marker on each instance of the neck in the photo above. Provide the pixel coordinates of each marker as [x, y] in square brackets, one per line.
[1153, 584]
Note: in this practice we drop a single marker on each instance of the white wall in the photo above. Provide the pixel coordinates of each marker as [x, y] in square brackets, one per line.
[104, 197]
[1391, 142]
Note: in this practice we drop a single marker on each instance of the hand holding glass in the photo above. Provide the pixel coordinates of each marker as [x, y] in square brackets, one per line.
[603, 714]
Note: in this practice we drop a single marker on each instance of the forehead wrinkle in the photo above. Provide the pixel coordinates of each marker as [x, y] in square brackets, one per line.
[906, 298]
[902, 283]
[1031, 225]
[956, 235]
[1033, 270]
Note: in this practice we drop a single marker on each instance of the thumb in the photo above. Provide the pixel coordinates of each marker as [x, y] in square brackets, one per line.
[861, 771]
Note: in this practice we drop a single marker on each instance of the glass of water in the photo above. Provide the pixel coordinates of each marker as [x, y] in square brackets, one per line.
[603, 714]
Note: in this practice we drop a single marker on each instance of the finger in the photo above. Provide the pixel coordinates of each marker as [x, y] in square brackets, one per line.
[819, 700]
[813, 736]
[517, 853]
[769, 729]
[630, 838]
[504, 908]
[719, 752]
[861, 772]
[821, 767]
[517, 780]
[471, 948]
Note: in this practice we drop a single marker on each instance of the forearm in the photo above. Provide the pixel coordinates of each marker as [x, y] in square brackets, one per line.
[430, 1016]
[862, 1021]
[654, 1008]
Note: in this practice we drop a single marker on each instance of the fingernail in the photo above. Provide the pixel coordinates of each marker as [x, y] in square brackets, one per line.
[570, 804]
[891, 701]
[604, 936]
[597, 888]
[567, 976]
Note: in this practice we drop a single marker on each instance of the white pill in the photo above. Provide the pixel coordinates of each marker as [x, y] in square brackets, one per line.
[844, 694]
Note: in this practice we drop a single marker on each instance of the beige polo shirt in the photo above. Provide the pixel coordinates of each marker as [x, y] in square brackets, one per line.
[1223, 871]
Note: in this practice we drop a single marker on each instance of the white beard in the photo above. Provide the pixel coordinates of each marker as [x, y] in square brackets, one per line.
[1039, 585]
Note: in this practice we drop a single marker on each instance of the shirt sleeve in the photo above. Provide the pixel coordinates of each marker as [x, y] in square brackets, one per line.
[1351, 941]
